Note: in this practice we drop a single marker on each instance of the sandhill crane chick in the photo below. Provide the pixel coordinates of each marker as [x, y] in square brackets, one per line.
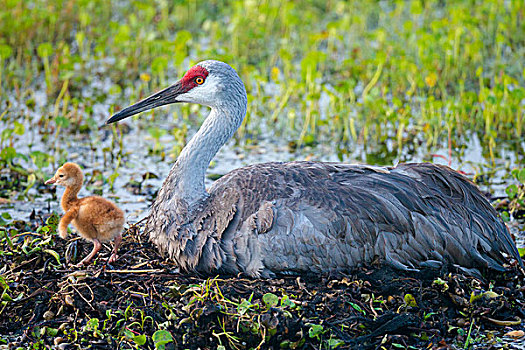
[95, 218]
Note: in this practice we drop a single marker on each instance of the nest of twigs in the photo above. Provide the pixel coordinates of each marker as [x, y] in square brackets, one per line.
[143, 301]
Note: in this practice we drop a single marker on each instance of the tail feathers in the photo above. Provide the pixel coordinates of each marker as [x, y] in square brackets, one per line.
[468, 203]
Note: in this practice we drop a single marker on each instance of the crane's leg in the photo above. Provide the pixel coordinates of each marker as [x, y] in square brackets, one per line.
[96, 247]
[114, 256]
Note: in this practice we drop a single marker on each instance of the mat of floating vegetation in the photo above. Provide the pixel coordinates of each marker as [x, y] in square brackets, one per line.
[143, 302]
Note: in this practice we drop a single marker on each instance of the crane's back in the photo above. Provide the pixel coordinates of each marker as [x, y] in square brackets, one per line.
[322, 217]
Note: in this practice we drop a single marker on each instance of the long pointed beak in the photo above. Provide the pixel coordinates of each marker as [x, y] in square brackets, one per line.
[51, 181]
[161, 98]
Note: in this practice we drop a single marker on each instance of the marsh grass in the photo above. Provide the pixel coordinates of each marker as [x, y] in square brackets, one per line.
[359, 72]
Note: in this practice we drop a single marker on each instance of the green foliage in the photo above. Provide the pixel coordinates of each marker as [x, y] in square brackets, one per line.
[270, 300]
[462, 62]
[316, 331]
[516, 194]
[410, 300]
[161, 338]
[44, 50]
[8, 154]
[22, 245]
[357, 308]
[5, 51]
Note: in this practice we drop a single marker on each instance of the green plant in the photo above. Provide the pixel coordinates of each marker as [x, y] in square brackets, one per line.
[516, 192]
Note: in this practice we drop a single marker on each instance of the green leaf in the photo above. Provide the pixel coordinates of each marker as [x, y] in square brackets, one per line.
[44, 50]
[63, 122]
[92, 324]
[511, 191]
[315, 330]
[429, 315]
[80, 37]
[334, 343]
[479, 71]
[6, 216]
[285, 344]
[37, 332]
[112, 178]
[128, 312]
[3, 283]
[41, 159]
[54, 254]
[8, 238]
[285, 301]
[156, 133]
[182, 38]
[19, 128]
[51, 331]
[128, 334]
[8, 154]
[244, 306]
[270, 299]
[161, 338]
[410, 300]
[115, 89]
[123, 35]
[6, 296]
[521, 176]
[357, 307]
[159, 64]
[6, 133]
[5, 51]
[53, 220]
[140, 339]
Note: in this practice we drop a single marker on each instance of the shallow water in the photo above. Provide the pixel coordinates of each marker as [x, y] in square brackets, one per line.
[138, 161]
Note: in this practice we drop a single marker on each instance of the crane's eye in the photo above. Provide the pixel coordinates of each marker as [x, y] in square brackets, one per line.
[199, 80]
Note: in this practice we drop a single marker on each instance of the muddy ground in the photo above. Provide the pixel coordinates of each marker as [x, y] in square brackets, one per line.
[142, 301]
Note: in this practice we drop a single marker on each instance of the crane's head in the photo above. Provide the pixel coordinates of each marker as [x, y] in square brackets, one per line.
[209, 83]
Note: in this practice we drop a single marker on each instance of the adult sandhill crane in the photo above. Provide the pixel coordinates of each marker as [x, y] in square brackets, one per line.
[309, 217]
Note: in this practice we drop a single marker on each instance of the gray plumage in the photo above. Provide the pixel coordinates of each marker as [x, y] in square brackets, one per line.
[324, 217]
[309, 217]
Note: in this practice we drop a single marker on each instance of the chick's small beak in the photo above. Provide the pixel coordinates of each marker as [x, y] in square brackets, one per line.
[161, 98]
[51, 181]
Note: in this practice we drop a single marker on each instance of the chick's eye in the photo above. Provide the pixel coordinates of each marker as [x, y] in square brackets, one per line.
[61, 175]
[199, 80]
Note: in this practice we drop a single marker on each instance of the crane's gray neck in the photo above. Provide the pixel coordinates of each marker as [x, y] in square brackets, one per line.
[186, 178]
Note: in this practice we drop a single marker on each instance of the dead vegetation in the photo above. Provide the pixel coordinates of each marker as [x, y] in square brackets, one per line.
[143, 302]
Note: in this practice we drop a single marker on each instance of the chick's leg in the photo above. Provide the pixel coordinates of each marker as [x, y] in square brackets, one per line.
[114, 256]
[69, 216]
[96, 247]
